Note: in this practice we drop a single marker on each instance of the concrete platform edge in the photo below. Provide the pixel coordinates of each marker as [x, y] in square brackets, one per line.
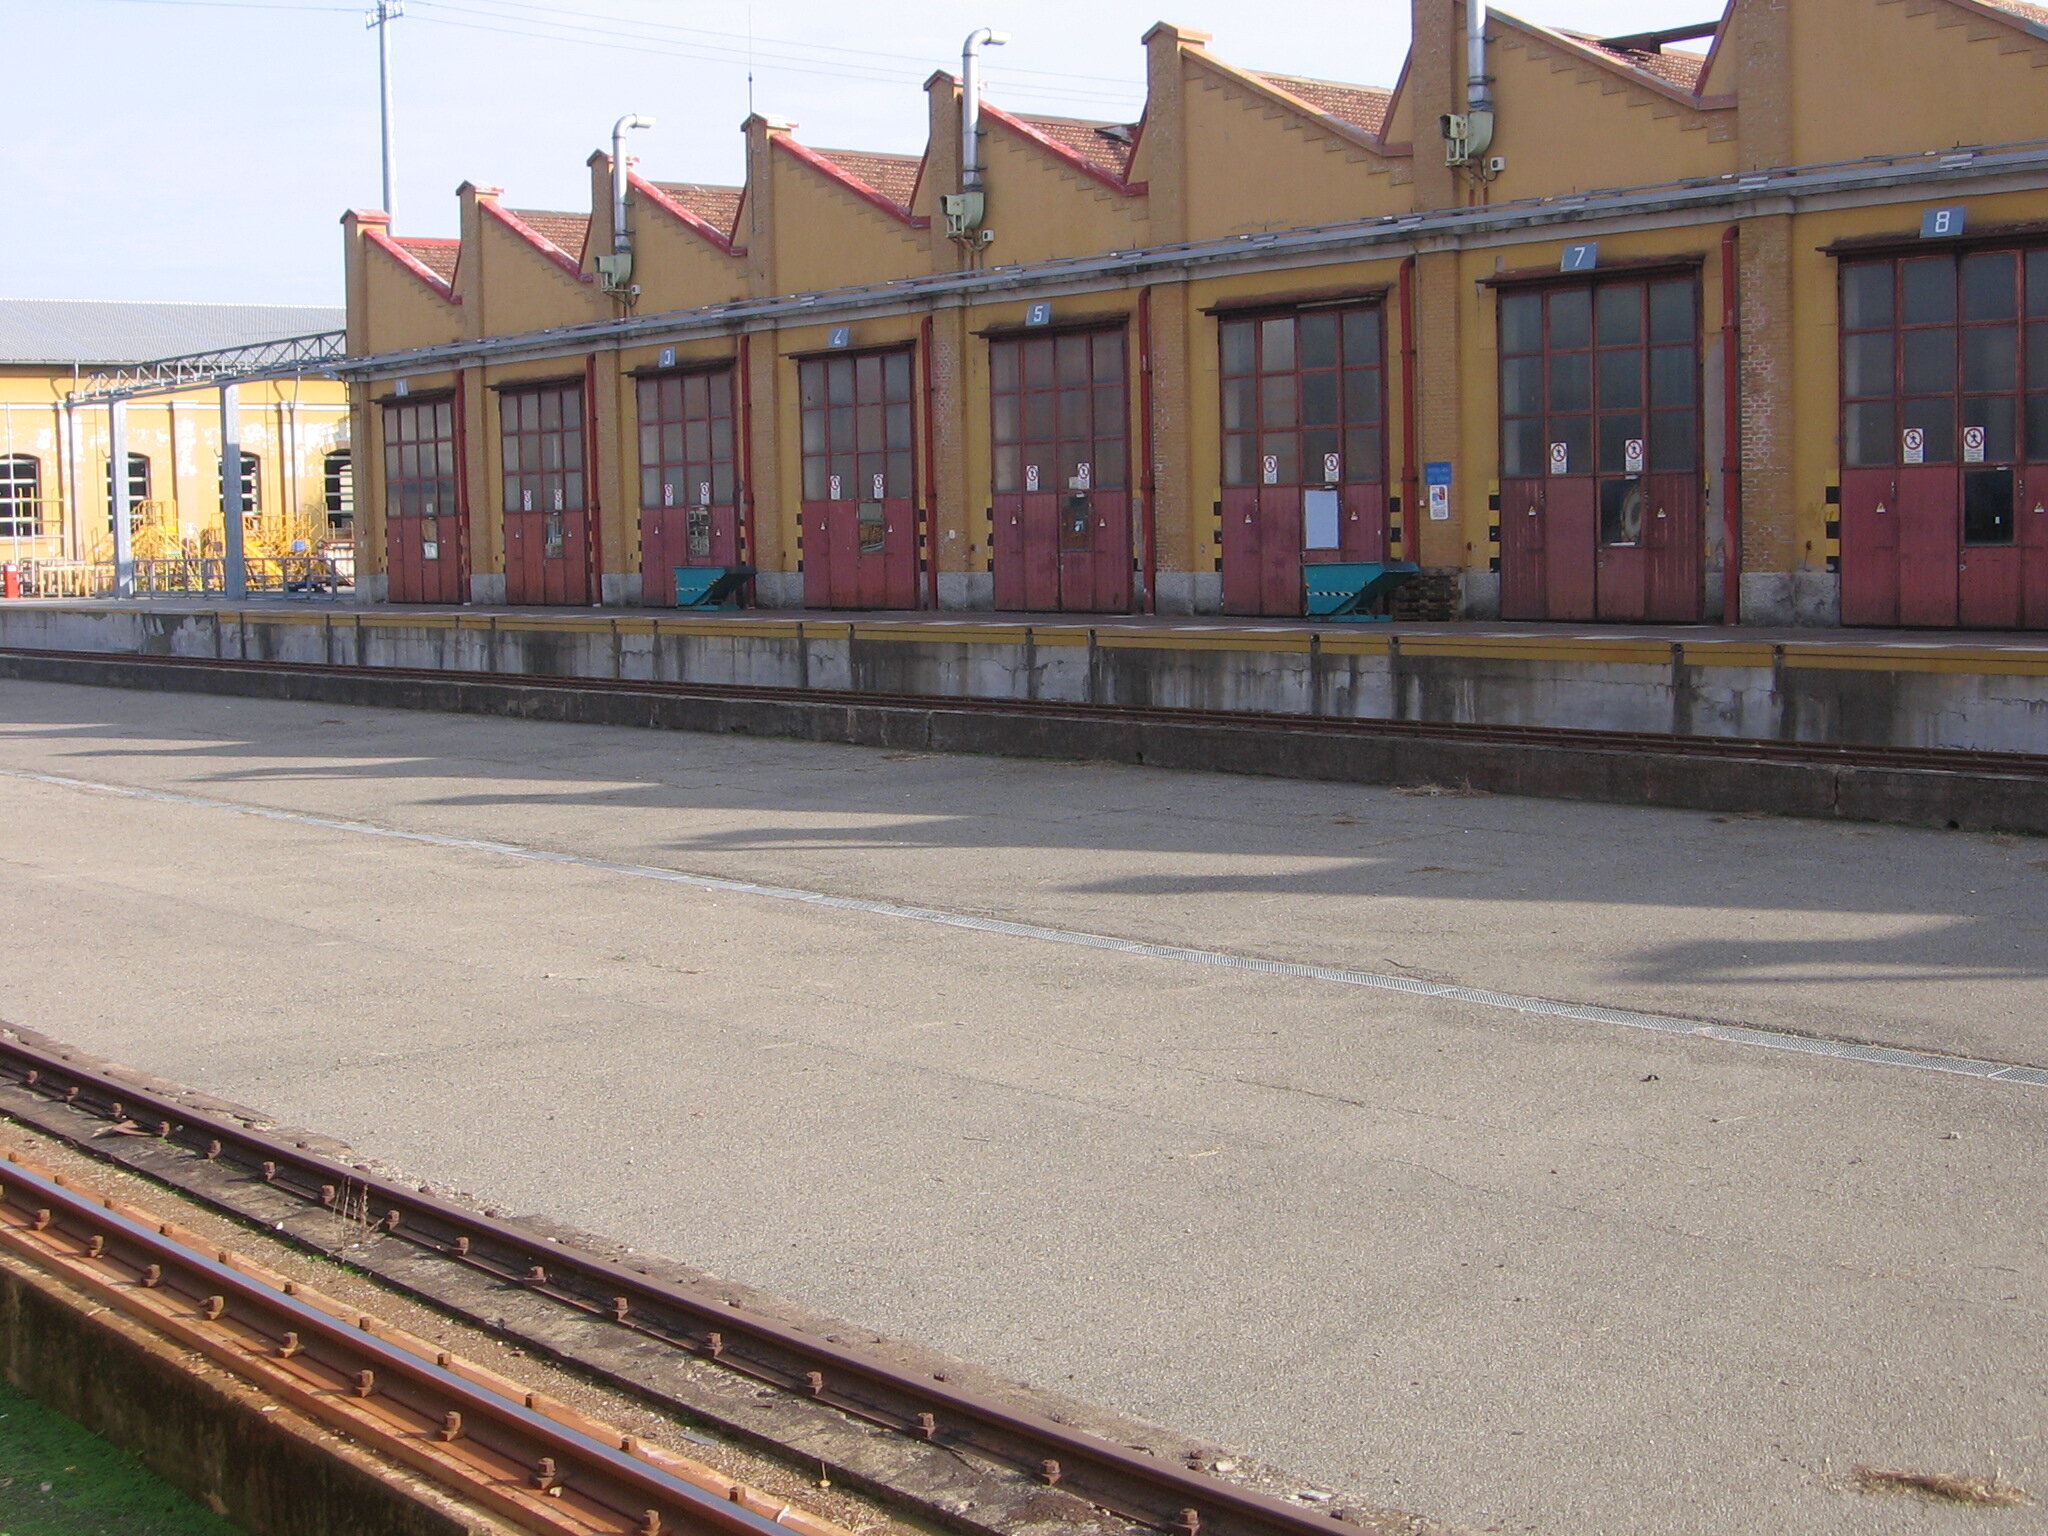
[1965, 801]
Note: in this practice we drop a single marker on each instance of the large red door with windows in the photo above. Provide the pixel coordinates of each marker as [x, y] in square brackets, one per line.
[1945, 439]
[1601, 507]
[1304, 455]
[547, 517]
[862, 532]
[689, 493]
[1061, 498]
[426, 525]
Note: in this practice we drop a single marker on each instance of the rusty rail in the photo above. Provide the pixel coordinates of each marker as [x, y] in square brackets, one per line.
[535, 1463]
[1753, 748]
[1161, 1494]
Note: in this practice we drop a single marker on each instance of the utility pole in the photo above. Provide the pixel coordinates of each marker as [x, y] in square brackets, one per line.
[387, 11]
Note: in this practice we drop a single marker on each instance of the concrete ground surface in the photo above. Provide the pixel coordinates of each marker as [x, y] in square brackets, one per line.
[1519, 1272]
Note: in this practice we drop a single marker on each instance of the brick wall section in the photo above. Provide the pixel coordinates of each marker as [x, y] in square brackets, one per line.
[1187, 530]
[1439, 415]
[952, 508]
[1768, 510]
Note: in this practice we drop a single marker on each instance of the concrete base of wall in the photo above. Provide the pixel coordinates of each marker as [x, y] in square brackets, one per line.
[967, 591]
[1479, 595]
[374, 587]
[624, 591]
[779, 589]
[487, 590]
[265, 1468]
[1806, 599]
[1190, 592]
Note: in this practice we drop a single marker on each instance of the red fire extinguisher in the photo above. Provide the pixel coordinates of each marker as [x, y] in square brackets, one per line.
[12, 577]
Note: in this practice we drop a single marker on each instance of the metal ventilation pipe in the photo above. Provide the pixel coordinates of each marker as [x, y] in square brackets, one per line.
[622, 236]
[1478, 86]
[970, 103]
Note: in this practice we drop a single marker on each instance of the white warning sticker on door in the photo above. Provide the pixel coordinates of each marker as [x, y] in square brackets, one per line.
[1913, 445]
[1973, 445]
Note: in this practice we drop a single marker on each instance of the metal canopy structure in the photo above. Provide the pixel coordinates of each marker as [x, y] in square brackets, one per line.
[224, 369]
[286, 357]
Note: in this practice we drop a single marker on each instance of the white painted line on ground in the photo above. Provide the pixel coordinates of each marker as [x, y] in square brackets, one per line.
[1588, 1013]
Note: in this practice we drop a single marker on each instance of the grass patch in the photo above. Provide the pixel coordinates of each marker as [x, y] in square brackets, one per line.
[59, 1479]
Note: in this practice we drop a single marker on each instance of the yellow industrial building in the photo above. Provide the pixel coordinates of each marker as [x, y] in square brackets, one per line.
[56, 487]
[1743, 322]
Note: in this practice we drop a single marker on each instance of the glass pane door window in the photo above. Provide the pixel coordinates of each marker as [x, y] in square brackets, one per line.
[419, 459]
[1945, 361]
[1058, 412]
[857, 427]
[1304, 398]
[543, 447]
[1602, 379]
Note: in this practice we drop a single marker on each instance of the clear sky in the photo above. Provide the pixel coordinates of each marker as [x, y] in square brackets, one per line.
[204, 149]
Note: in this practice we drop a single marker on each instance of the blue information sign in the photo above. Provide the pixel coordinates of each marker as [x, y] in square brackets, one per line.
[1580, 258]
[1936, 222]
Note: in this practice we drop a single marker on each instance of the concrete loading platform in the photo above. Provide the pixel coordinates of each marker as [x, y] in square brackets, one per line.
[1897, 689]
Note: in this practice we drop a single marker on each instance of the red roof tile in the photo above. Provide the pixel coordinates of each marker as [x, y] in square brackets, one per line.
[2037, 14]
[1107, 152]
[1362, 106]
[894, 176]
[437, 256]
[1670, 66]
[717, 206]
[565, 231]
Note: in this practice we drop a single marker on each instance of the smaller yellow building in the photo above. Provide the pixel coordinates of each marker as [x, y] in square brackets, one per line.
[56, 486]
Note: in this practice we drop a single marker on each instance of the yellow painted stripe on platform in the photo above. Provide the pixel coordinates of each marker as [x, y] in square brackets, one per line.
[409, 621]
[1726, 653]
[944, 634]
[1061, 636]
[727, 629]
[1203, 640]
[634, 626]
[1955, 662]
[1533, 648]
[1357, 644]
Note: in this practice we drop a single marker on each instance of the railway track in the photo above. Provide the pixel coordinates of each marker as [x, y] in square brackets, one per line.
[1740, 748]
[926, 1407]
[534, 1462]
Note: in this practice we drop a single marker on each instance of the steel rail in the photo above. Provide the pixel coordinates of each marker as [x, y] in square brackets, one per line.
[927, 1407]
[1837, 754]
[423, 1409]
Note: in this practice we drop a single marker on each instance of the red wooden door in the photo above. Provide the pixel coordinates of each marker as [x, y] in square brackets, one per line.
[1928, 544]
[1303, 408]
[862, 532]
[1988, 579]
[689, 492]
[1870, 546]
[1599, 398]
[547, 521]
[1523, 580]
[2032, 537]
[426, 528]
[1060, 419]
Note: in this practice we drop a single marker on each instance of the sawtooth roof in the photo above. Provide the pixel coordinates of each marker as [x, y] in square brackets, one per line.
[717, 206]
[102, 331]
[1673, 66]
[1362, 106]
[894, 176]
[436, 255]
[565, 231]
[1107, 152]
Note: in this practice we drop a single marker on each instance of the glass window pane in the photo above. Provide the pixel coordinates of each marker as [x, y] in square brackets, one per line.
[1007, 475]
[2037, 355]
[896, 377]
[902, 480]
[898, 425]
[1930, 291]
[1989, 357]
[1318, 446]
[867, 380]
[1319, 400]
[1673, 314]
[2037, 427]
[1038, 415]
[1276, 401]
[1002, 364]
[1521, 386]
[1282, 448]
[1521, 323]
[1994, 415]
[1867, 364]
[1571, 318]
[1616, 433]
[1276, 344]
[1930, 362]
[1990, 284]
[1674, 440]
[1621, 381]
[1521, 447]
[1618, 314]
[1071, 359]
[1571, 382]
[814, 431]
[1238, 338]
[2037, 282]
[1109, 410]
[1867, 295]
[1074, 413]
[1319, 341]
[1361, 337]
[839, 380]
[810, 379]
[1005, 413]
[1673, 375]
[1576, 434]
[1869, 434]
[1108, 357]
[1363, 454]
[1937, 418]
[1362, 394]
[1239, 461]
[1237, 403]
